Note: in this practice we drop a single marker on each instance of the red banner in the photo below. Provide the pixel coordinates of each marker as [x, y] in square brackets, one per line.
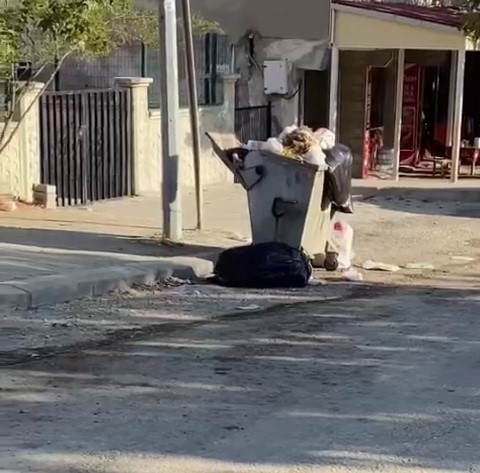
[366, 128]
[411, 113]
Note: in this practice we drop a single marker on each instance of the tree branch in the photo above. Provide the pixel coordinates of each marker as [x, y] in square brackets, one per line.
[5, 142]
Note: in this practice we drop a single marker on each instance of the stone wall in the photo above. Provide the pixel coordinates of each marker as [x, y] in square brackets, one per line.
[147, 138]
[20, 161]
[10, 166]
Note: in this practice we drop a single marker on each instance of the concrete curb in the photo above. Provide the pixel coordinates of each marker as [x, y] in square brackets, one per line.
[58, 288]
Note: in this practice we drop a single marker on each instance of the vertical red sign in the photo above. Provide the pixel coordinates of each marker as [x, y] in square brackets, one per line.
[411, 113]
[366, 129]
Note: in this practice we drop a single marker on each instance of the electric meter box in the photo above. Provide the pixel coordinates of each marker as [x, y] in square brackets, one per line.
[275, 77]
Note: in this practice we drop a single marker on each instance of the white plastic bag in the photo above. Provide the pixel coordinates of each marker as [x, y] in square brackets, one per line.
[325, 137]
[343, 240]
[273, 145]
[315, 156]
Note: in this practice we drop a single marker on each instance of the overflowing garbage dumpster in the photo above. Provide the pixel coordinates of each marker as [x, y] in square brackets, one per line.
[291, 199]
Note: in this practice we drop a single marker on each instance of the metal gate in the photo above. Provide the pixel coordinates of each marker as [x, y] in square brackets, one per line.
[86, 145]
[253, 123]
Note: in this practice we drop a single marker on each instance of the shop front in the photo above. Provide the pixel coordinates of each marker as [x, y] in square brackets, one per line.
[400, 107]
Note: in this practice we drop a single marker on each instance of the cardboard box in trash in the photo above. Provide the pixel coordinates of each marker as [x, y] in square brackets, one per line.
[285, 196]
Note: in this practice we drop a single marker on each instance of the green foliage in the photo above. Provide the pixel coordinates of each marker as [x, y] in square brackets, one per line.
[40, 31]
[9, 47]
[142, 25]
[43, 31]
[471, 27]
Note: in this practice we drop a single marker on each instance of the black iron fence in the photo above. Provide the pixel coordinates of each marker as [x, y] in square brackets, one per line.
[253, 123]
[212, 57]
[86, 148]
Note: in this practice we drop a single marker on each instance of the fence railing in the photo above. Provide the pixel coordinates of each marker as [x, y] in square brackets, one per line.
[86, 148]
[253, 123]
[212, 56]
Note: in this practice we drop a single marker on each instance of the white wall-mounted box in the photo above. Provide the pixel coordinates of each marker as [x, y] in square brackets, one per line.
[275, 77]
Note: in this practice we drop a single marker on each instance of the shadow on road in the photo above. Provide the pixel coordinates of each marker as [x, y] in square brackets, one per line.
[386, 379]
[454, 202]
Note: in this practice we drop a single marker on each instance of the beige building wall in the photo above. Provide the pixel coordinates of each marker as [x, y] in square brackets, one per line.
[10, 166]
[213, 170]
[20, 161]
[361, 30]
[147, 138]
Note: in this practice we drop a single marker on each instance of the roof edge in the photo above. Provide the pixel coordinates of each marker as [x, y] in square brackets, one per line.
[368, 9]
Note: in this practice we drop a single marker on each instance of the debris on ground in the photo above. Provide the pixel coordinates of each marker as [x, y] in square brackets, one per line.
[352, 275]
[378, 266]
[7, 205]
[263, 265]
[249, 307]
[342, 237]
[464, 259]
[173, 281]
[421, 266]
[316, 282]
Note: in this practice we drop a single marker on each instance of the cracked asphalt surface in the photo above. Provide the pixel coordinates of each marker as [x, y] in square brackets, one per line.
[380, 378]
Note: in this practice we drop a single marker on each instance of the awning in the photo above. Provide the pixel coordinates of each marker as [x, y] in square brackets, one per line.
[369, 24]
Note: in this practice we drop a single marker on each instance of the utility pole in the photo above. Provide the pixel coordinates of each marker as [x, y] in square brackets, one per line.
[169, 103]
[193, 107]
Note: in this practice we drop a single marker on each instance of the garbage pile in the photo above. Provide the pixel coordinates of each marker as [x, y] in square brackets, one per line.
[285, 219]
[299, 143]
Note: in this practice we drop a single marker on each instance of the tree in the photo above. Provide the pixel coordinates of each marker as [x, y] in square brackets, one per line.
[40, 33]
[471, 26]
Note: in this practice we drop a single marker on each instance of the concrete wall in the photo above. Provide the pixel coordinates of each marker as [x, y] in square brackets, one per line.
[10, 166]
[306, 19]
[20, 161]
[297, 31]
[215, 119]
[300, 53]
[147, 138]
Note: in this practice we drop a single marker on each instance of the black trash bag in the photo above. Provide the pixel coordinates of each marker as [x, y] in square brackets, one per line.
[338, 178]
[263, 265]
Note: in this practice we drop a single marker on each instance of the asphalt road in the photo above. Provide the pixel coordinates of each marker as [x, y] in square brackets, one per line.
[382, 379]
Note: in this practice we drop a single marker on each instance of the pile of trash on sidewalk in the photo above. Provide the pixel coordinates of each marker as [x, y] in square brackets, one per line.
[296, 184]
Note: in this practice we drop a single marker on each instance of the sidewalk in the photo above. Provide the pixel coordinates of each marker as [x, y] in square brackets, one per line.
[52, 256]
[47, 256]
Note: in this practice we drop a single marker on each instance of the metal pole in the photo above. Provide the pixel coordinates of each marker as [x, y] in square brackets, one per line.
[144, 69]
[451, 96]
[193, 107]
[169, 103]
[333, 101]
[457, 115]
[398, 113]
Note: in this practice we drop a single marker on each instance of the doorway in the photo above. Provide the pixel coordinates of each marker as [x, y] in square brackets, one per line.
[316, 99]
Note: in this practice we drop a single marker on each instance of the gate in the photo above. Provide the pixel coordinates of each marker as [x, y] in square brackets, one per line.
[86, 145]
[253, 123]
